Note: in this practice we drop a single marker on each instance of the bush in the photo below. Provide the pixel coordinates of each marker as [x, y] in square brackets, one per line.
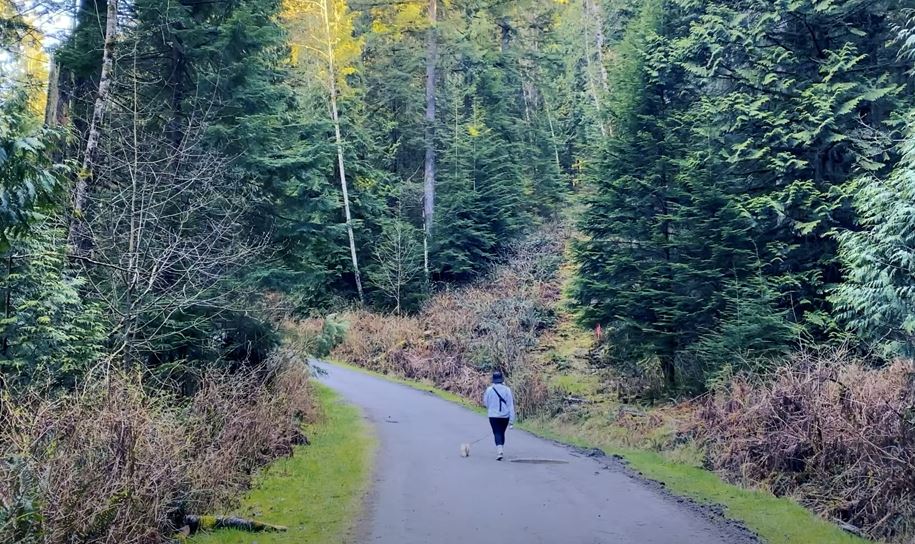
[115, 462]
[461, 335]
[317, 337]
[836, 434]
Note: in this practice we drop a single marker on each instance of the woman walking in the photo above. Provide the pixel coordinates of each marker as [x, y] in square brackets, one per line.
[500, 406]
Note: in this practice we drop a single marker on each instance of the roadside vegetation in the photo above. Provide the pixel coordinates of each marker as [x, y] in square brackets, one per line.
[119, 460]
[679, 226]
[317, 493]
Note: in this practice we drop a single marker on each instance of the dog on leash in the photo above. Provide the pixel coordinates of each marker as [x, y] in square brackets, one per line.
[465, 450]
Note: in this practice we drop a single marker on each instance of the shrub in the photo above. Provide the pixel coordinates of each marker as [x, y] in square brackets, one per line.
[117, 462]
[836, 434]
[461, 335]
[317, 337]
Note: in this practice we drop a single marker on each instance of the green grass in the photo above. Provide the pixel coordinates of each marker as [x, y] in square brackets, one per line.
[317, 493]
[776, 520]
[574, 384]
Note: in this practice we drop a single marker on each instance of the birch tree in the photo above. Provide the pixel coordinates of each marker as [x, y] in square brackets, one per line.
[322, 43]
[594, 37]
[78, 235]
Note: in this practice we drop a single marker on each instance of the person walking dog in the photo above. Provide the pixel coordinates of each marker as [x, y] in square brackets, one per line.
[500, 406]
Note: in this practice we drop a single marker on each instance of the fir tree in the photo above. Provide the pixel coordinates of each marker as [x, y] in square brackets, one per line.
[628, 261]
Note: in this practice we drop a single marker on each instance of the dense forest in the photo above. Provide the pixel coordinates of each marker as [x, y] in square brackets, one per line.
[737, 172]
[193, 157]
[179, 178]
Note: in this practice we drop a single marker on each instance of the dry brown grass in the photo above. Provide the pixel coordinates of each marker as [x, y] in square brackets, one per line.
[837, 435]
[461, 335]
[117, 462]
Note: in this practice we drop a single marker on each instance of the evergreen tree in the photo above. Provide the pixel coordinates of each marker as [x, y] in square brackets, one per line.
[480, 177]
[736, 131]
[479, 199]
[877, 299]
[752, 334]
[628, 262]
[806, 91]
[48, 334]
[664, 227]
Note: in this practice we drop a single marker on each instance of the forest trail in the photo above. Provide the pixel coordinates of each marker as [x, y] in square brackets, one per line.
[424, 492]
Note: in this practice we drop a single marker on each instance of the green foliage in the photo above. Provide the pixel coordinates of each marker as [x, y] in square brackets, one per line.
[29, 179]
[48, 333]
[321, 341]
[806, 93]
[483, 143]
[751, 335]
[738, 131]
[662, 234]
[479, 199]
[722, 144]
[877, 299]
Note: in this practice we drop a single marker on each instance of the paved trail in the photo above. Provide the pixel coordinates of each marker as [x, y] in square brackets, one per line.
[425, 493]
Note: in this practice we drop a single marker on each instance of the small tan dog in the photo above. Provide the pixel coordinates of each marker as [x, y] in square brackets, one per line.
[465, 449]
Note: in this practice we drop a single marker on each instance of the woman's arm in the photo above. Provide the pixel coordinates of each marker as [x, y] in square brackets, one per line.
[511, 406]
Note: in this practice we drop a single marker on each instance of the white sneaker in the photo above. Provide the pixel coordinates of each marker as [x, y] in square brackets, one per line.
[499, 455]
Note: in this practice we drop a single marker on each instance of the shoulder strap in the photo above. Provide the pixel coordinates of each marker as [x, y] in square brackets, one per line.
[501, 400]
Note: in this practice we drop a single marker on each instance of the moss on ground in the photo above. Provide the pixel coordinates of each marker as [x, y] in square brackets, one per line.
[317, 493]
[574, 384]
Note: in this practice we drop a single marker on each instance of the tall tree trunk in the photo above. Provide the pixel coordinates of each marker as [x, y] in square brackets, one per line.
[332, 80]
[7, 303]
[78, 235]
[429, 134]
[52, 108]
[596, 16]
[549, 120]
[595, 92]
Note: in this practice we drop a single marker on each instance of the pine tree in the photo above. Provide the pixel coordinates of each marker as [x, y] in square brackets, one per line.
[664, 229]
[478, 199]
[628, 266]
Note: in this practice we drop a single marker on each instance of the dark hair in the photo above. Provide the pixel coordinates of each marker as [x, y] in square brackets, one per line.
[497, 377]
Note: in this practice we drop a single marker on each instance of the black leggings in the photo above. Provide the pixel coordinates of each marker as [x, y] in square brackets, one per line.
[499, 424]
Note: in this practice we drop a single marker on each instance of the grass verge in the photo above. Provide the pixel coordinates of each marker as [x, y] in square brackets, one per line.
[776, 520]
[316, 493]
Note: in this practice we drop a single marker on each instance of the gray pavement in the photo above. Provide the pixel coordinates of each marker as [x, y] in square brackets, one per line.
[424, 492]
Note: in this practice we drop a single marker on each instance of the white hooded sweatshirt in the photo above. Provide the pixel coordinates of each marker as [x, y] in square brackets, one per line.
[496, 407]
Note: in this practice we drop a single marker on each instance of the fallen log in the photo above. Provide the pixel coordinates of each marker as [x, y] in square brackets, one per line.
[194, 524]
